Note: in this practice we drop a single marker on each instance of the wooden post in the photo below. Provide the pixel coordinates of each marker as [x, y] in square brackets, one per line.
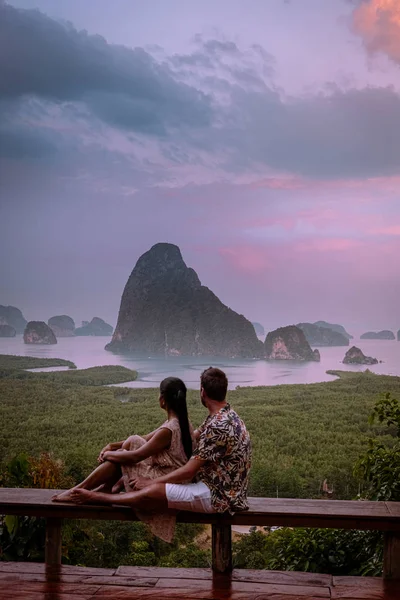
[222, 548]
[391, 555]
[53, 541]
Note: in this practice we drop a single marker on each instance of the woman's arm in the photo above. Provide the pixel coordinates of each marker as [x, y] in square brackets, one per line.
[108, 448]
[160, 440]
[148, 436]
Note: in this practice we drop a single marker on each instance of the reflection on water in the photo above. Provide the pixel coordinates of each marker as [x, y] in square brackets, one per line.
[89, 352]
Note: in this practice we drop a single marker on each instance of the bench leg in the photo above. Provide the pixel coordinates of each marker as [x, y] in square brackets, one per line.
[391, 555]
[221, 548]
[53, 541]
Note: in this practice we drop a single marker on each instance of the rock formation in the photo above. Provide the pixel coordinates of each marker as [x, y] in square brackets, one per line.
[321, 336]
[62, 326]
[378, 335]
[9, 315]
[7, 331]
[398, 335]
[166, 311]
[96, 327]
[37, 332]
[334, 327]
[289, 343]
[259, 329]
[355, 356]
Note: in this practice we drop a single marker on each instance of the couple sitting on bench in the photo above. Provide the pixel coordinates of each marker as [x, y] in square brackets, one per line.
[174, 467]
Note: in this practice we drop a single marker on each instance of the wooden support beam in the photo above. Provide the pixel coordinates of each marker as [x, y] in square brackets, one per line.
[221, 548]
[53, 541]
[391, 555]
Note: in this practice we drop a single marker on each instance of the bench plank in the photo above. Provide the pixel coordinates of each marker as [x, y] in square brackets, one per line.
[290, 512]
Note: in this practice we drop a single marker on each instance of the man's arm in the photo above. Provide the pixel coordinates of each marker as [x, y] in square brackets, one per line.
[196, 435]
[181, 475]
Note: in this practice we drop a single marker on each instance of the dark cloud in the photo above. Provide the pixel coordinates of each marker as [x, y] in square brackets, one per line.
[126, 87]
[216, 108]
[355, 133]
[22, 143]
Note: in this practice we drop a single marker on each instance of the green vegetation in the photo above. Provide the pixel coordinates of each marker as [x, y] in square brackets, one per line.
[106, 375]
[13, 367]
[301, 435]
[336, 551]
[10, 361]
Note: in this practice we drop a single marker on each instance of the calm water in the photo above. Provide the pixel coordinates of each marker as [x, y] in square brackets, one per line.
[89, 352]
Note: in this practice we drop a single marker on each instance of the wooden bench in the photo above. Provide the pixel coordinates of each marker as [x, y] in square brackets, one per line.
[287, 512]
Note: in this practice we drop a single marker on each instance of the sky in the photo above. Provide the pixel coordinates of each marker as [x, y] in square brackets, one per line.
[261, 137]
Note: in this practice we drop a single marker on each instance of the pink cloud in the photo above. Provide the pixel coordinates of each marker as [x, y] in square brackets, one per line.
[328, 245]
[248, 259]
[391, 230]
[378, 22]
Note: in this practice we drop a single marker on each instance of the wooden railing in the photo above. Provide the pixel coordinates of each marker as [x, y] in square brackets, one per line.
[337, 514]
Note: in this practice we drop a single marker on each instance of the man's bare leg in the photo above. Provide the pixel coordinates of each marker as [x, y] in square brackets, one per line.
[106, 474]
[150, 498]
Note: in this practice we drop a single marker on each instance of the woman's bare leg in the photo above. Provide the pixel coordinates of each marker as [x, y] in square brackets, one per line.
[151, 498]
[106, 474]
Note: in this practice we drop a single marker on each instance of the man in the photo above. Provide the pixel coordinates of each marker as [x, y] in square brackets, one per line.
[220, 464]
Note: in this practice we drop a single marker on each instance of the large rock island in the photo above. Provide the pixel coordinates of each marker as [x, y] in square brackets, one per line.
[10, 315]
[37, 332]
[334, 327]
[96, 327]
[62, 326]
[289, 343]
[378, 335]
[166, 311]
[355, 356]
[321, 336]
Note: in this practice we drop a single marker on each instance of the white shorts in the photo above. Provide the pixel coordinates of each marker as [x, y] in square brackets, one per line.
[195, 497]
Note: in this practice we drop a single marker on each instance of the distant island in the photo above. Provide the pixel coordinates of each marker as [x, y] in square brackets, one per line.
[12, 316]
[355, 356]
[62, 326]
[289, 343]
[259, 329]
[7, 331]
[334, 327]
[398, 335]
[96, 327]
[166, 311]
[38, 332]
[321, 336]
[378, 335]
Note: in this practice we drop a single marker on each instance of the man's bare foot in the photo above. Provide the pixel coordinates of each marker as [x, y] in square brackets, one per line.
[82, 496]
[63, 497]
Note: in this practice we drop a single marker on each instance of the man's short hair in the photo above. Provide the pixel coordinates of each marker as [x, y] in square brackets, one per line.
[215, 383]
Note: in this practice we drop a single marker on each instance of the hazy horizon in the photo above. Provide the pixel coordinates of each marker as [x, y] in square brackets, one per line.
[261, 138]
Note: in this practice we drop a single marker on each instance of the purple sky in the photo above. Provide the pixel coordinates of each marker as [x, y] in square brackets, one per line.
[261, 137]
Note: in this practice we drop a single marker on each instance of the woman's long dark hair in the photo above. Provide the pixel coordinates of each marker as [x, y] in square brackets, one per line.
[173, 390]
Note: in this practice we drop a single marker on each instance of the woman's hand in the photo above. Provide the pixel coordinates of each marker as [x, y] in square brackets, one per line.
[112, 455]
[138, 483]
[101, 458]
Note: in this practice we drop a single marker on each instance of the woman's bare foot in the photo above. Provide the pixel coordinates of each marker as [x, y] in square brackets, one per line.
[63, 497]
[82, 496]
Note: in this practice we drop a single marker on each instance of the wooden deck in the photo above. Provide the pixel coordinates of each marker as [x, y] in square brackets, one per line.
[35, 581]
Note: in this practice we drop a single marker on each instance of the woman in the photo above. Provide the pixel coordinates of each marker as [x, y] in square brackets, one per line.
[153, 455]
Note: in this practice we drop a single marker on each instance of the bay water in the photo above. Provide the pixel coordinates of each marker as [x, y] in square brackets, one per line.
[89, 352]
